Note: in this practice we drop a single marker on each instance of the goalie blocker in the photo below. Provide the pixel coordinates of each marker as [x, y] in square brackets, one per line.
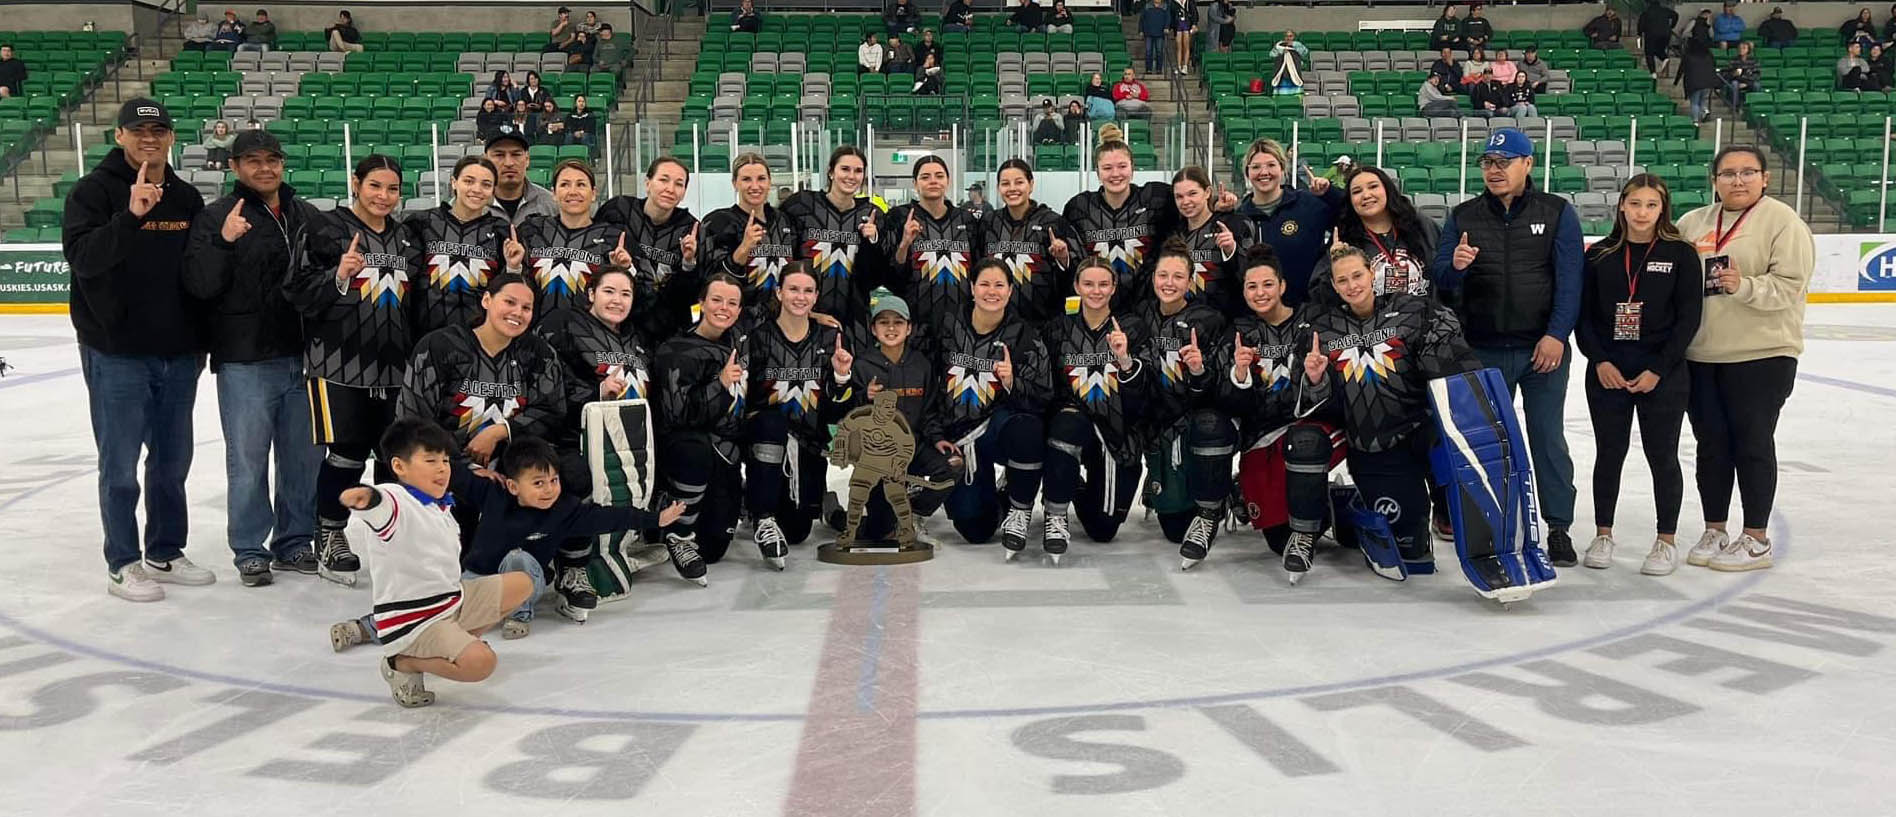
[1480, 460]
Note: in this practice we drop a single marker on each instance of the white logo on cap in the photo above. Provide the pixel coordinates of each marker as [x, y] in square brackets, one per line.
[1496, 140]
[147, 110]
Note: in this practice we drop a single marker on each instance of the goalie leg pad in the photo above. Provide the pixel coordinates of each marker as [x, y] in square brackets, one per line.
[1481, 460]
[616, 441]
[1376, 538]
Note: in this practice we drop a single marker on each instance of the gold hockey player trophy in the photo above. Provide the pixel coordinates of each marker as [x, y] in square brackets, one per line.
[877, 442]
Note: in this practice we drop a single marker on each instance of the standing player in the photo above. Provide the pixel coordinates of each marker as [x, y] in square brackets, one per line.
[1033, 243]
[933, 245]
[564, 251]
[1122, 222]
[662, 239]
[751, 240]
[462, 243]
[839, 236]
[1214, 241]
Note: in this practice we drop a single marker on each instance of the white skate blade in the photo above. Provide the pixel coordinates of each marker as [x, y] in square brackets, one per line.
[1010, 554]
[1510, 595]
[777, 562]
[1056, 558]
[342, 577]
[1294, 577]
[1187, 564]
[1394, 574]
[574, 614]
[703, 581]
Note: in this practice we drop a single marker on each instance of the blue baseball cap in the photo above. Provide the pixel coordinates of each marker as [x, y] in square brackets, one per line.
[1509, 143]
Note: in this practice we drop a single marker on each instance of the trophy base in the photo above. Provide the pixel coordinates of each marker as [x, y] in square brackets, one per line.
[886, 552]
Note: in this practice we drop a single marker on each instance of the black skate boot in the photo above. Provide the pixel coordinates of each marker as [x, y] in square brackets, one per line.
[1198, 539]
[577, 596]
[1054, 538]
[1297, 556]
[1014, 531]
[684, 556]
[334, 560]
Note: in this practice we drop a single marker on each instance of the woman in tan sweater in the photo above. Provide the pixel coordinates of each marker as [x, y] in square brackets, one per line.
[1743, 361]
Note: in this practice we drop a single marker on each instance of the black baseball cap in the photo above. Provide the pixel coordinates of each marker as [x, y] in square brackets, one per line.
[139, 111]
[507, 133]
[252, 141]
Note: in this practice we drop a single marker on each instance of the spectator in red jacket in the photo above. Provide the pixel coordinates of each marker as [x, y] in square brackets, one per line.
[1130, 96]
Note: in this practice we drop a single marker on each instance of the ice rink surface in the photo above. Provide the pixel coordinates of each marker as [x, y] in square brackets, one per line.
[1113, 684]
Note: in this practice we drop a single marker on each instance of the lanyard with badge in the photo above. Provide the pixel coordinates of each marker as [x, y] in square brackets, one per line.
[1395, 272]
[1718, 262]
[1626, 313]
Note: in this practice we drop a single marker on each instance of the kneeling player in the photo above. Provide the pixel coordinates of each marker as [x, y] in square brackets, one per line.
[1190, 463]
[1094, 425]
[700, 380]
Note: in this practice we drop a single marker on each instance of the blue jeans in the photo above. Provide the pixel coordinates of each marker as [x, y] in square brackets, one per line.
[1545, 399]
[141, 403]
[1700, 102]
[1155, 53]
[263, 406]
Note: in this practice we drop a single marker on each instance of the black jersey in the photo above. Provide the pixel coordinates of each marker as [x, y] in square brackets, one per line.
[667, 286]
[1128, 236]
[970, 391]
[1087, 377]
[1040, 283]
[1216, 279]
[1277, 379]
[692, 400]
[724, 231]
[592, 353]
[1174, 389]
[935, 279]
[1380, 366]
[794, 377]
[453, 382]
[847, 265]
[561, 262]
[359, 331]
[912, 379]
[457, 256]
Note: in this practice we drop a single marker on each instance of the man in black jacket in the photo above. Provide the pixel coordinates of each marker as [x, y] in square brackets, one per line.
[126, 225]
[242, 248]
[1655, 32]
[1515, 255]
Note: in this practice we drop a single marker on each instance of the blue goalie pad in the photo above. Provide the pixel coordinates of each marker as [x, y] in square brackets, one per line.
[1373, 536]
[1481, 461]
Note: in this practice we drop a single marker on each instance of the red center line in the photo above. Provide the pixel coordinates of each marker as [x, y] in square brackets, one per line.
[857, 754]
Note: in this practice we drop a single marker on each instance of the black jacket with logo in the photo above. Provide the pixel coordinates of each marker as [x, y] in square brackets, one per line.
[847, 265]
[592, 352]
[1175, 390]
[1128, 236]
[1085, 376]
[692, 400]
[936, 278]
[970, 391]
[457, 257]
[667, 286]
[1380, 366]
[1217, 281]
[359, 332]
[128, 297]
[242, 282]
[1277, 381]
[454, 382]
[1509, 295]
[561, 262]
[1041, 283]
[724, 232]
[915, 385]
[794, 377]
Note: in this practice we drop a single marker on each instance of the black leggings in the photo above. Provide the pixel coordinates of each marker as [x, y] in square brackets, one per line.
[1073, 445]
[769, 456]
[342, 470]
[1734, 411]
[693, 472]
[1210, 440]
[1016, 440]
[1394, 483]
[1661, 414]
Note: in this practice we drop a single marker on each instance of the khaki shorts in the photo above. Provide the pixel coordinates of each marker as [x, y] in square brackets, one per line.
[448, 636]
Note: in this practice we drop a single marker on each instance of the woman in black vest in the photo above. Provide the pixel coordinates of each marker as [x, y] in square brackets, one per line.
[1638, 311]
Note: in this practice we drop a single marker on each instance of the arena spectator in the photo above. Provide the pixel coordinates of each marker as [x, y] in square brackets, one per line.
[1184, 28]
[533, 93]
[1655, 32]
[502, 88]
[1535, 69]
[1858, 29]
[1290, 57]
[1853, 72]
[959, 17]
[1223, 16]
[1447, 33]
[1060, 20]
[494, 114]
[1448, 69]
[581, 123]
[869, 55]
[1130, 96]
[900, 58]
[1488, 98]
[1099, 98]
[217, 146]
[1780, 33]
[579, 52]
[929, 46]
[230, 33]
[12, 73]
[1741, 75]
[1515, 256]
[1698, 75]
[561, 32]
[1076, 119]
[610, 51]
[1476, 30]
[1889, 27]
[125, 230]
[199, 33]
[252, 124]
[1604, 31]
[1154, 22]
[343, 35]
[1701, 26]
[928, 79]
[1882, 67]
[546, 126]
[1502, 69]
[261, 34]
[1028, 17]
[519, 121]
[1475, 68]
[900, 17]
[1728, 28]
[591, 25]
[1520, 97]
[1435, 98]
[1049, 126]
[746, 17]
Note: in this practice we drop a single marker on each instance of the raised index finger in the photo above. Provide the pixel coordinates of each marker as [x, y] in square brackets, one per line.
[354, 239]
[1194, 337]
[141, 172]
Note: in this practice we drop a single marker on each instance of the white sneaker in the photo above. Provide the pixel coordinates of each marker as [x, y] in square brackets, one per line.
[1663, 559]
[1708, 546]
[131, 583]
[179, 571]
[1599, 553]
[1745, 553]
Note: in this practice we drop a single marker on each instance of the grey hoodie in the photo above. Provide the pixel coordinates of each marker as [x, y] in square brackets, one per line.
[536, 201]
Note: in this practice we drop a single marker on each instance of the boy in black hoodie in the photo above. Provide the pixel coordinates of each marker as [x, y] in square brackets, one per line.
[127, 224]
